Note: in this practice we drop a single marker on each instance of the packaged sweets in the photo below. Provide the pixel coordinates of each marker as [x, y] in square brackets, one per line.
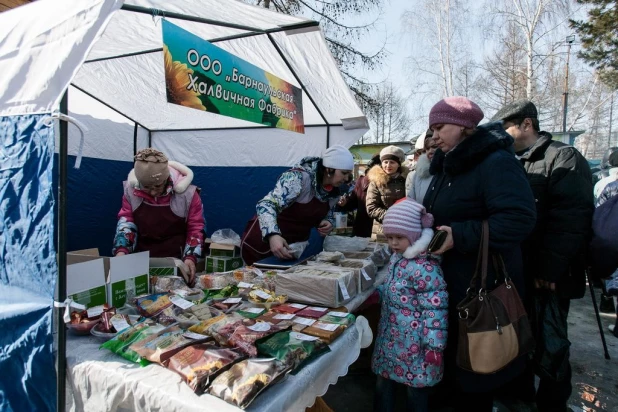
[152, 305]
[245, 335]
[199, 364]
[275, 317]
[289, 307]
[203, 326]
[328, 332]
[162, 346]
[314, 312]
[240, 384]
[292, 348]
[120, 344]
[250, 312]
[339, 318]
[214, 281]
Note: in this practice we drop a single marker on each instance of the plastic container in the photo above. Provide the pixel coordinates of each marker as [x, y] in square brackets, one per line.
[82, 329]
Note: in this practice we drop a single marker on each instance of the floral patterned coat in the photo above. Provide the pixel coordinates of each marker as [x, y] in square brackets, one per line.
[413, 321]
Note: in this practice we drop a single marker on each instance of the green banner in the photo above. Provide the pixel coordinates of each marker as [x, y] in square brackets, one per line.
[205, 77]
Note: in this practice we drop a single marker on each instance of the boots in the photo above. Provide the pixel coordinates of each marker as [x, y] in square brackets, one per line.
[607, 304]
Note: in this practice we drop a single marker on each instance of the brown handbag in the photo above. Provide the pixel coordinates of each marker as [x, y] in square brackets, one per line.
[494, 329]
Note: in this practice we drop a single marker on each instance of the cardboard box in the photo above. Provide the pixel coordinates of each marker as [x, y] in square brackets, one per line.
[86, 281]
[162, 267]
[124, 276]
[219, 249]
[222, 264]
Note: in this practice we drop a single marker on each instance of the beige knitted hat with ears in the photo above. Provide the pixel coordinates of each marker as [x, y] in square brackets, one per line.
[151, 167]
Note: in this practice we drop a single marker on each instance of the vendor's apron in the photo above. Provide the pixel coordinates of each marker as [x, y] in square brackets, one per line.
[295, 223]
[160, 231]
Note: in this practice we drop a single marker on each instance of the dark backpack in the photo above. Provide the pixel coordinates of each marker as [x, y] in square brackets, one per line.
[604, 245]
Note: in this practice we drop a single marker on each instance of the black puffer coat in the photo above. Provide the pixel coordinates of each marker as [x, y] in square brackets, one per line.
[480, 179]
[561, 182]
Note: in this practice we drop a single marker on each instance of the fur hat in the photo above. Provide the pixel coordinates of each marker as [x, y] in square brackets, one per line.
[456, 110]
[393, 153]
[407, 218]
[338, 157]
[151, 167]
[520, 109]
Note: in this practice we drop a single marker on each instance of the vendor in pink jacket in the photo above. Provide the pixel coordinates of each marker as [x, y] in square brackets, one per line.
[161, 211]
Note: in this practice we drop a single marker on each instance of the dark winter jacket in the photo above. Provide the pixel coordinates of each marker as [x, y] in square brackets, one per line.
[561, 182]
[357, 201]
[384, 191]
[480, 179]
[610, 191]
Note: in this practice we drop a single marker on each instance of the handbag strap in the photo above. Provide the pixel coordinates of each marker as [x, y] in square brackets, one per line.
[481, 261]
[500, 268]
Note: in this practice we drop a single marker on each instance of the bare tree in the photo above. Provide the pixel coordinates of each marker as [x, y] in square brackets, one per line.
[343, 37]
[389, 118]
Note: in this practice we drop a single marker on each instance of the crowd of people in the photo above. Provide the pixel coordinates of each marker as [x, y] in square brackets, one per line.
[536, 194]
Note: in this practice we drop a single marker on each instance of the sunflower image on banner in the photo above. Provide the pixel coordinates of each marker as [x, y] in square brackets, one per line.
[205, 77]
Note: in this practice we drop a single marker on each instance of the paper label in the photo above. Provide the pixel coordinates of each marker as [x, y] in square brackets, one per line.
[258, 272]
[119, 323]
[180, 292]
[298, 305]
[232, 300]
[95, 311]
[338, 314]
[326, 326]
[302, 336]
[344, 290]
[365, 274]
[318, 309]
[193, 335]
[263, 294]
[253, 310]
[245, 285]
[284, 316]
[304, 321]
[260, 327]
[180, 302]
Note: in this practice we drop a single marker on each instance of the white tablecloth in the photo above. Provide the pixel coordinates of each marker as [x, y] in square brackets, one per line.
[99, 380]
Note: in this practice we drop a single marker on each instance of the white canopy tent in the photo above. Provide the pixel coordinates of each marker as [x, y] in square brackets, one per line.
[107, 54]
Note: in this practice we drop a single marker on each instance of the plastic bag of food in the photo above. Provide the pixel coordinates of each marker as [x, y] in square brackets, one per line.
[226, 237]
[292, 348]
[162, 346]
[224, 329]
[121, 343]
[244, 381]
[152, 305]
[200, 364]
[339, 318]
[297, 249]
[332, 257]
[245, 335]
[334, 243]
[203, 326]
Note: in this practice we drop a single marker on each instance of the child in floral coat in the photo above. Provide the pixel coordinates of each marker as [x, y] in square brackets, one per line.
[413, 326]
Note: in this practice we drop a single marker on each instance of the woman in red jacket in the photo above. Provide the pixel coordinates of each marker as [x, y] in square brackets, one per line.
[161, 211]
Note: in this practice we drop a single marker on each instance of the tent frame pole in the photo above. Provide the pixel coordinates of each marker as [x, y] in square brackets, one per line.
[135, 139]
[62, 254]
[235, 128]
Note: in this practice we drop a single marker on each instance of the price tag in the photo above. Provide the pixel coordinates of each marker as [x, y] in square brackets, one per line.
[260, 327]
[284, 316]
[338, 314]
[326, 326]
[258, 272]
[302, 336]
[375, 247]
[298, 305]
[181, 303]
[365, 274]
[304, 321]
[318, 309]
[232, 300]
[119, 323]
[263, 294]
[344, 290]
[245, 285]
[253, 310]
[193, 335]
[180, 292]
[95, 311]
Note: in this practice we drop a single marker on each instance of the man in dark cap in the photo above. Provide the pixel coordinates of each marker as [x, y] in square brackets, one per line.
[554, 254]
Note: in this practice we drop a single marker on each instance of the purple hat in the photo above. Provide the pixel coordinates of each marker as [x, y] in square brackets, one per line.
[456, 110]
[406, 218]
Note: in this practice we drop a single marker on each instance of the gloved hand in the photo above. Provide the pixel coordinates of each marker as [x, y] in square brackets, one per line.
[433, 357]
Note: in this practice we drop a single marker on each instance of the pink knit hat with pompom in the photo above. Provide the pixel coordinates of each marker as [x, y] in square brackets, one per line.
[407, 218]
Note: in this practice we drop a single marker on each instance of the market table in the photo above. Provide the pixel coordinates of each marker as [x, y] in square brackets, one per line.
[103, 381]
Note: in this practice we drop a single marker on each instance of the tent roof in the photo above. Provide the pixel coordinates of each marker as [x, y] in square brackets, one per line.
[124, 67]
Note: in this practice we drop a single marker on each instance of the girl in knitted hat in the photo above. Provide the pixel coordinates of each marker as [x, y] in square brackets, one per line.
[413, 325]
[303, 198]
[387, 183]
[161, 211]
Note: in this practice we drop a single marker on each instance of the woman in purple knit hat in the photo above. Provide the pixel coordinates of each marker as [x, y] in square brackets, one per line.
[476, 177]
